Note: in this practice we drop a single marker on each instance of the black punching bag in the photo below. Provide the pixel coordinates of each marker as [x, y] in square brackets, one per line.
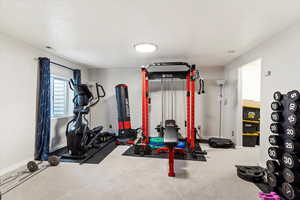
[123, 110]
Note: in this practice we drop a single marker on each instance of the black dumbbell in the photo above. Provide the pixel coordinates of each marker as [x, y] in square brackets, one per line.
[292, 119]
[276, 116]
[274, 180]
[276, 106]
[293, 107]
[275, 140]
[277, 96]
[291, 132]
[291, 176]
[291, 146]
[276, 128]
[290, 192]
[273, 166]
[275, 152]
[53, 160]
[290, 161]
[293, 95]
[33, 166]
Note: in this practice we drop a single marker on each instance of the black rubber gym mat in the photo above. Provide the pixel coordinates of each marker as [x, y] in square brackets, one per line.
[95, 159]
[101, 155]
[188, 156]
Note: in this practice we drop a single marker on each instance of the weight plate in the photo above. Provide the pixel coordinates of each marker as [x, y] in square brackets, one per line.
[292, 107]
[250, 173]
[273, 140]
[289, 145]
[272, 151]
[271, 180]
[292, 119]
[293, 95]
[290, 132]
[272, 166]
[277, 96]
[288, 191]
[274, 127]
[275, 116]
[288, 160]
[288, 175]
[275, 106]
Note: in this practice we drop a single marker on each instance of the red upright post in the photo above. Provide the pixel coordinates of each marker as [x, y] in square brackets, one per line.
[147, 108]
[171, 161]
[192, 91]
[188, 107]
[144, 99]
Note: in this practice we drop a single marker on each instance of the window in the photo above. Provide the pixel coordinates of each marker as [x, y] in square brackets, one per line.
[61, 98]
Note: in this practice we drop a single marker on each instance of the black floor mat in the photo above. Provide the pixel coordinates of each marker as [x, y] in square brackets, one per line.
[188, 156]
[97, 155]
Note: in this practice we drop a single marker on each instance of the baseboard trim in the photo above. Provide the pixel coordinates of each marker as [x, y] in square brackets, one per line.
[14, 167]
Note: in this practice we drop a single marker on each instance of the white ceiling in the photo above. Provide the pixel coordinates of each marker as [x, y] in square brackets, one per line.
[101, 33]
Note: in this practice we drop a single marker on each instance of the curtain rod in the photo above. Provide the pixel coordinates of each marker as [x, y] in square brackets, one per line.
[54, 63]
[61, 65]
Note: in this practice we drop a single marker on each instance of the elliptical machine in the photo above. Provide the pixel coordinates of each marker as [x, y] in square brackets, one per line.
[80, 138]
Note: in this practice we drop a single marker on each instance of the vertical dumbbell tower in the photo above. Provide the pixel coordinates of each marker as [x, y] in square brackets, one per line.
[284, 168]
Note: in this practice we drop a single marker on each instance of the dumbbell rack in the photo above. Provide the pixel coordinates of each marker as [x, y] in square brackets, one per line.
[284, 167]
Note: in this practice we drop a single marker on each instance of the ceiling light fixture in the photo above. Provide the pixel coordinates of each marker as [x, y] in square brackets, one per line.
[145, 47]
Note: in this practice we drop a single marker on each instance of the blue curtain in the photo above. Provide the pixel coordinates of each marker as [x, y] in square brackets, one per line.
[43, 119]
[77, 80]
[77, 76]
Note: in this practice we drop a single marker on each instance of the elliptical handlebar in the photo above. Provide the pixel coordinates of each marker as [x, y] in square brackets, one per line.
[98, 94]
[71, 84]
[73, 87]
[102, 89]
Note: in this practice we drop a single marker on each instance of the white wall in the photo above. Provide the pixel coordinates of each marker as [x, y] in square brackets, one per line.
[18, 86]
[207, 105]
[279, 56]
[251, 80]
[207, 110]
[105, 112]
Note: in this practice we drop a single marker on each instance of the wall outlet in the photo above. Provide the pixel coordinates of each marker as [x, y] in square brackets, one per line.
[232, 133]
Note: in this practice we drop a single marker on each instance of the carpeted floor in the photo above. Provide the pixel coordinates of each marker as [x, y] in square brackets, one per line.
[122, 177]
